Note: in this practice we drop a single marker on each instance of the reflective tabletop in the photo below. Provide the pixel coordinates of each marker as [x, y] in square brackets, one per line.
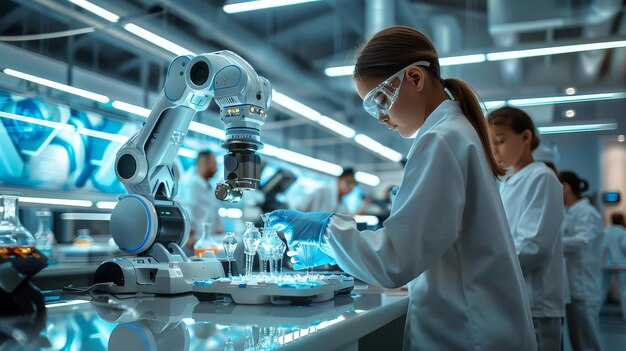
[105, 322]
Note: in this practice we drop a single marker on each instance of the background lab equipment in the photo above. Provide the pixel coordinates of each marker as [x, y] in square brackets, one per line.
[278, 184]
[147, 221]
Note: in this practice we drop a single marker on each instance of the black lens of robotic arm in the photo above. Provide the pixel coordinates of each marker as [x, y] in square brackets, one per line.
[199, 73]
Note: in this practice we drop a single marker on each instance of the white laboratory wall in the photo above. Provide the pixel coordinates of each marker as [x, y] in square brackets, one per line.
[613, 166]
[579, 152]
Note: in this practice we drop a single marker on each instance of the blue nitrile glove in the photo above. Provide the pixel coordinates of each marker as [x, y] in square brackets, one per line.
[303, 228]
[308, 256]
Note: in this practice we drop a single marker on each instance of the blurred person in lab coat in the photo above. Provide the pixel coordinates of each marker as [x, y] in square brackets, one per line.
[197, 195]
[614, 255]
[582, 246]
[447, 235]
[329, 198]
[549, 154]
[533, 201]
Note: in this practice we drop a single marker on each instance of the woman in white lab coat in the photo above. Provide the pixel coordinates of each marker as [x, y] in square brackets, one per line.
[582, 245]
[533, 201]
[614, 255]
[447, 235]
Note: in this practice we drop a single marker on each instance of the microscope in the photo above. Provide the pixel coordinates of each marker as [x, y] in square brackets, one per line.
[147, 222]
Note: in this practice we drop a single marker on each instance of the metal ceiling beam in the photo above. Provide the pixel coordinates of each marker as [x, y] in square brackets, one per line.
[114, 34]
[11, 18]
[129, 65]
[311, 25]
[350, 16]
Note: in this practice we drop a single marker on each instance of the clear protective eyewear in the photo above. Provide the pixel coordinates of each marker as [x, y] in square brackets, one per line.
[379, 100]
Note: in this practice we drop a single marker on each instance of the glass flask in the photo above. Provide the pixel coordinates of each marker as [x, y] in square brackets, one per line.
[251, 241]
[206, 242]
[83, 237]
[265, 251]
[14, 238]
[44, 237]
[230, 244]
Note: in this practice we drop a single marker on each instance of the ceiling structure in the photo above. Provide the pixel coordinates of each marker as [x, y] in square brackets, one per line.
[292, 46]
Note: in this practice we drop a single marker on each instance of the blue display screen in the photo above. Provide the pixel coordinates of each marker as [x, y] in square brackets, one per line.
[611, 196]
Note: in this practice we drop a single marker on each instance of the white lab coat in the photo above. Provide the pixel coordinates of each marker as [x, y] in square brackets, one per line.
[533, 202]
[323, 199]
[614, 242]
[448, 237]
[198, 198]
[582, 245]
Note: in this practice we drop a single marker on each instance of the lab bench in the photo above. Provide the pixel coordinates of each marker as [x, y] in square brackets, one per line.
[369, 319]
[58, 275]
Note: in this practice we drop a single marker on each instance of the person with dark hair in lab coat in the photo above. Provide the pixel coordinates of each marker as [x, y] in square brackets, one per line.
[614, 255]
[582, 246]
[447, 236]
[329, 198]
[533, 200]
[198, 196]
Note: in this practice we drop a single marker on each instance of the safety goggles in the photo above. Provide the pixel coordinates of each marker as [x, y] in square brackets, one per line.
[379, 100]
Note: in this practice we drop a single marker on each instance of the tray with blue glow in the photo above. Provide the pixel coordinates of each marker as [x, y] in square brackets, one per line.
[284, 289]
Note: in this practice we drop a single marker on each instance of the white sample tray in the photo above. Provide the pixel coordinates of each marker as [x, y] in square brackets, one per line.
[296, 289]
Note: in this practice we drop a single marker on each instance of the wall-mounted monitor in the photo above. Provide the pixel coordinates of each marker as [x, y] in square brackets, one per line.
[611, 197]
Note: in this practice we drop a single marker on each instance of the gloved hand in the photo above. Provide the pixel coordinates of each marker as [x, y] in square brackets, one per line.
[307, 256]
[303, 232]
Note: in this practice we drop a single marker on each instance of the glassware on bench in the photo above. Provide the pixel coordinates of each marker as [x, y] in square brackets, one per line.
[251, 241]
[14, 238]
[229, 244]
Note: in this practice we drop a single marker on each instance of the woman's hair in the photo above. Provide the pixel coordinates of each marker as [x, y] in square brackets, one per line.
[516, 119]
[617, 218]
[394, 48]
[577, 184]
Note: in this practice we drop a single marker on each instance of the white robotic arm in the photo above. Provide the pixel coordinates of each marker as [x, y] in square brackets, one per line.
[145, 163]
[148, 214]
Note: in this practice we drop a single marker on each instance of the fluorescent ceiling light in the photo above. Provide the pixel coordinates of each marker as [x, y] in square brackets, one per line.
[308, 161]
[490, 105]
[42, 122]
[337, 127]
[378, 148]
[55, 85]
[102, 135]
[369, 220]
[462, 60]
[86, 216]
[260, 5]
[96, 10]
[566, 98]
[367, 178]
[498, 56]
[157, 40]
[68, 303]
[295, 106]
[554, 50]
[187, 152]
[302, 160]
[207, 130]
[60, 202]
[268, 150]
[339, 71]
[577, 128]
[106, 205]
[126, 107]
